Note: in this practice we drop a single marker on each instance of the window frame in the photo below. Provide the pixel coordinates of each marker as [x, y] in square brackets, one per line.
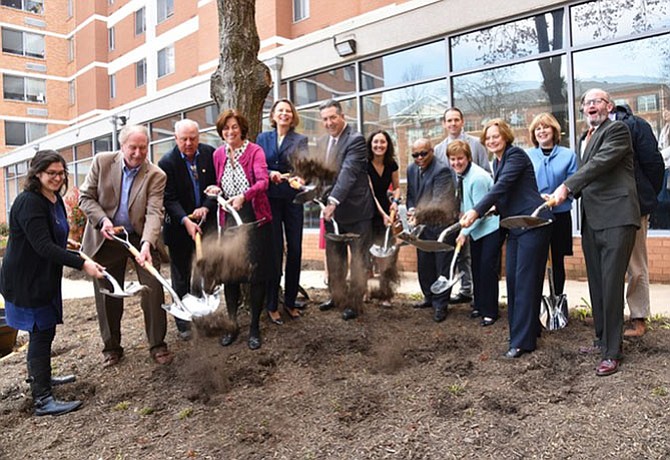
[142, 12]
[169, 61]
[23, 52]
[164, 10]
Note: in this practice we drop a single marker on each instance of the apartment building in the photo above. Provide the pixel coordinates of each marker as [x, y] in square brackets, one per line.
[73, 70]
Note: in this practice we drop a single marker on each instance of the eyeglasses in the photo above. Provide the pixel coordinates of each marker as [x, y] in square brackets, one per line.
[53, 174]
[421, 154]
[596, 101]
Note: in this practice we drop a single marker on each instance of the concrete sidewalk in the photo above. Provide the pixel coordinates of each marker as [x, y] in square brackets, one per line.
[313, 279]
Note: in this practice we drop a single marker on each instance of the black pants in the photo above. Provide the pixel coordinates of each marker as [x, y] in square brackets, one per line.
[181, 256]
[39, 362]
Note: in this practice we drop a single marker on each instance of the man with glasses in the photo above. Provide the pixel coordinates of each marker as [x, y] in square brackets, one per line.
[351, 205]
[453, 123]
[190, 170]
[124, 189]
[605, 181]
[430, 185]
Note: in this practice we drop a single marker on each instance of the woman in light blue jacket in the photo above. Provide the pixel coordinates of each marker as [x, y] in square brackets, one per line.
[553, 164]
[473, 183]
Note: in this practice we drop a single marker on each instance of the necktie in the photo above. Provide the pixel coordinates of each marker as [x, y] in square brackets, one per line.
[459, 190]
[589, 133]
[332, 142]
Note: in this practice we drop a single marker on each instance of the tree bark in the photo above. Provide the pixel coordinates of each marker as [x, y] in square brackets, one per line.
[241, 81]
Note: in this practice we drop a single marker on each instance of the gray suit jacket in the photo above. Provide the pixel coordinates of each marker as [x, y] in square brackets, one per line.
[350, 188]
[605, 179]
[101, 193]
[479, 155]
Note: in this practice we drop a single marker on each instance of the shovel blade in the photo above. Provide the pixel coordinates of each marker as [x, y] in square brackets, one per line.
[554, 312]
[177, 312]
[342, 237]
[443, 284]
[380, 252]
[201, 306]
[523, 222]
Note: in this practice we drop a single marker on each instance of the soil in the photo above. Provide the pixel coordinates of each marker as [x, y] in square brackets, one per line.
[391, 384]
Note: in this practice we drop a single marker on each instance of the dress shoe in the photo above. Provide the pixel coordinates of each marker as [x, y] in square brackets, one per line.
[185, 335]
[638, 328]
[423, 304]
[111, 358]
[300, 305]
[49, 405]
[460, 298]
[276, 319]
[514, 353]
[162, 356]
[254, 342]
[327, 305]
[348, 314]
[292, 313]
[486, 321]
[607, 367]
[475, 314]
[62, 380]
[440, 314]
[227, 339]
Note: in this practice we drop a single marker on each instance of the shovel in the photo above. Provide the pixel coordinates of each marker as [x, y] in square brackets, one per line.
[117, 291]
[385, 251]
[526, 222]
[554, 308]
[442, 284]
[209, 301]
[176, 308]
[411, 235]
[337, 236]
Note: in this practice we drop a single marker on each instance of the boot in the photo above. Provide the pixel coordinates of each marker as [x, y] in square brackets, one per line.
[638, 328]
[40, 387]
[62, 380]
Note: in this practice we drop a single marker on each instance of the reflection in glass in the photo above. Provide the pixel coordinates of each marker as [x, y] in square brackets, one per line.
[516, 94]
[161, 148]
[506, 42]
[406, 66]
[205, 116]
[164, 128]
[83, 150]
[407, 114]
[80, 171]
[643, 84]
[326, 85]
[608, 19]
[210, 137]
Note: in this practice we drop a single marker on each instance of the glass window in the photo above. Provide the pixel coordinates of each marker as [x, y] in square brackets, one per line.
[165, 9]
[112, 86]
[22, 43]
[204, 116]
[70, 8]
[516, 94]
[323, 86]
[70, 49]
[19, 133]
[300, 10]
[81, 169]
[12, 88]
[608, 19]
[141, 73]
[18, 4]
[34, 45]
[140, 21]
[72, 93]
[164, 128]
[32, 6]
[166, 61]
[506, 42]
[111, 38]
[67, 153]
[159, 149]
[407, 114]
[103, 144]
[83, 150]
[647, 103]
[406, 66]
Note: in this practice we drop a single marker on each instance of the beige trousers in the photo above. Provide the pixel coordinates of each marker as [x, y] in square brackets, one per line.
[637, 291]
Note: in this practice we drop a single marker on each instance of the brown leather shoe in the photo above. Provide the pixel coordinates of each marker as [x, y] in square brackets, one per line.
[162, 356]
[638, 327]
[607, 367]
[111, 358]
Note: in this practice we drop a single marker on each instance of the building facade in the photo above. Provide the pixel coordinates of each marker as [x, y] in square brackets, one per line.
[74, 70]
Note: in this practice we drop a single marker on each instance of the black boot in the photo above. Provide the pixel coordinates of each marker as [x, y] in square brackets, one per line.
[40, 387]
[62, 380]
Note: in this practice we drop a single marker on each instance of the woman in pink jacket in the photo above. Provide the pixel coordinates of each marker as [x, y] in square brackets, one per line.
[242, 178]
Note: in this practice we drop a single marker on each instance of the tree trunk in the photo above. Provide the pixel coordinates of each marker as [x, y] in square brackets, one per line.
[241, 81]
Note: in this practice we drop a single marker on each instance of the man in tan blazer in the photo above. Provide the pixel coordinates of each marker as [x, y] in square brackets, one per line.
[124, 189]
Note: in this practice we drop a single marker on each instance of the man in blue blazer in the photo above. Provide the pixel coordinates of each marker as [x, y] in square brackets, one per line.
[431, 182]
[350, 203]
[605, 181]
[189, 171]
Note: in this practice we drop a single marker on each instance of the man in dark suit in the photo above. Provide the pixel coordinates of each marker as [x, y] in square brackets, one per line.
[124, 189]
[189, 171]
[430, 183]
[350, 203]
[605, 181]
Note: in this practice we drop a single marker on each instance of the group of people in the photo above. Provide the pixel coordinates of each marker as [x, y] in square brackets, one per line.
[451, 182]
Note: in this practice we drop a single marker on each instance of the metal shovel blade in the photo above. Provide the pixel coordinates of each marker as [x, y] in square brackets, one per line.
[553, 312]
[443, 284]
[342, 237]
[523, 222]
[131, 289]
[308, 193]
[201, 306]
[381, 252]
[425, 245]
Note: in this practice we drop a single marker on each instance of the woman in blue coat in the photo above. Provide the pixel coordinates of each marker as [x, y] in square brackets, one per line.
[514, 192]
[281, 146]
[30, 277]
[553, 164]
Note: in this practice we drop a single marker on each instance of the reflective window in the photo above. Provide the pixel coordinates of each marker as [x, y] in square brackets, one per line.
[22, 43]
[140, 21]
[407, 114]
[83, 150]
[516, 94]
[643, 84]
[406, 66]
[326, 85]
[164, 128]
[300, 10]
[165, 9]
[161, 148]
[506, 42]
[141, 72]
[20, 133]
[24, 89]
[32, 6]
[166, 61]
[81, 169]
[205, 116]
[103, 144]
[608, 19]
[67, 154]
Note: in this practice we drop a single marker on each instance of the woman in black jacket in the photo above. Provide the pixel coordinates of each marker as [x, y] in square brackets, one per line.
[30, 277]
